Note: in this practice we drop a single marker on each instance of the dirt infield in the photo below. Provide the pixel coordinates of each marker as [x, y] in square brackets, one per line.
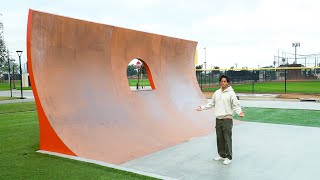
[297, 96]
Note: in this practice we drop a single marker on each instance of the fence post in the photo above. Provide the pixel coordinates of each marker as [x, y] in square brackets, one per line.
[201, 81]
[285, 81]
[252, 77]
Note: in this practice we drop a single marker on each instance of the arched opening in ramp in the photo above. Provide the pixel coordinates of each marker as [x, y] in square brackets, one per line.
[139, 75]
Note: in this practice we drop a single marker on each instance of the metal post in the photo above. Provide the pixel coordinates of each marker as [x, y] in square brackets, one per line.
[252, 77]
[295, 54]
[9, 78]
[305, 62]
[285, 81]
[205, 65]
[19, 54]
[295, 45]
[138, 79]
[14, 84]
[201, 81]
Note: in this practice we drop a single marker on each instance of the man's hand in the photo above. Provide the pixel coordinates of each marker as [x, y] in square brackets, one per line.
[199, 108]
[241, 114]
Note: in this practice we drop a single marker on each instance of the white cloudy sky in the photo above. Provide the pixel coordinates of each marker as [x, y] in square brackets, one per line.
[243, 32]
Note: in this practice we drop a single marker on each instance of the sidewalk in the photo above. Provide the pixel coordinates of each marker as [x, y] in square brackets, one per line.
[16, 101]
[27, 94]
[280, 104]
[17, 93]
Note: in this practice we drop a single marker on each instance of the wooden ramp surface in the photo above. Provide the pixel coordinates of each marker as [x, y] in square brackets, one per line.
[85, 106]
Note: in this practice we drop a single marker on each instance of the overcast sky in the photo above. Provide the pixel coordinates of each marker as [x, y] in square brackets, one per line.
[246, 33]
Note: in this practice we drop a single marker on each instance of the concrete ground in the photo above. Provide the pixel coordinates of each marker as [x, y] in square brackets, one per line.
[260, 151]
[27, 94]
[17, 93]
[281, 104]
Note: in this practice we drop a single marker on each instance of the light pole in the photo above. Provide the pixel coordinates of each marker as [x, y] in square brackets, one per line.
[295, 45]
[138, 67]
[275, 70]
[205, 64]
[14, 84]
[19, 54]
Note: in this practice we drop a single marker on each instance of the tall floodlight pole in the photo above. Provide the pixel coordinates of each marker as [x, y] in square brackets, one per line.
[295, 45]
[205, 64]
[19, 54]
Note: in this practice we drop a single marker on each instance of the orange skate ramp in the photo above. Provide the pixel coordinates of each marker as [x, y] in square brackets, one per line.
[85, 106]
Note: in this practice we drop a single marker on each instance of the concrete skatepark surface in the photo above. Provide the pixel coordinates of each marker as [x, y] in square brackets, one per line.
[260, 151]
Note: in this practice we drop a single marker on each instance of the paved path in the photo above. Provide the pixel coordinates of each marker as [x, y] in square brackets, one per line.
[17, 93]
[281, 104]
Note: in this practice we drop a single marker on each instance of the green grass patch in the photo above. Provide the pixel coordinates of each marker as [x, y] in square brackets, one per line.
[282, 116]
[17, 107]
[305, 87]
[142, 82]
[6, 87]
[19, 139]
[24, 88]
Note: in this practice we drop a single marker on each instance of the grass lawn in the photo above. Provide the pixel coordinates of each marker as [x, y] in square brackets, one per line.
[23, 88]
[6, 87]
[19, 139]
[282, 116]
[305, 87]
[144, 82]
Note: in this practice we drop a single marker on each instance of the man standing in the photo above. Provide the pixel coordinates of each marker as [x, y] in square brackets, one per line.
[225, 102]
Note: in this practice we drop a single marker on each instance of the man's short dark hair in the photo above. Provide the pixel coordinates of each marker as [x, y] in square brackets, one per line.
[224, 76]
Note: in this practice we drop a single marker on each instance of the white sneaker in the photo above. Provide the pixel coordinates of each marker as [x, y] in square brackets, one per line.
[218, 158]
[227, 161]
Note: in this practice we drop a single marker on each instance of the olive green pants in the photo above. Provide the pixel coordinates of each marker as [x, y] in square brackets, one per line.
[224, 137]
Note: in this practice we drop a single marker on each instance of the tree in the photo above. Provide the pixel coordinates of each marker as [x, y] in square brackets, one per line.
[215, 71]
[3, 50]
[131, 70]
[143, 70]
[197, 68]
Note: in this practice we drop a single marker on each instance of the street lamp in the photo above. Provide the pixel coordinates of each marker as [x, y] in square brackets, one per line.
[295, 45]
[14, 84]
[138, 67]
[19, 54]
[205, 64]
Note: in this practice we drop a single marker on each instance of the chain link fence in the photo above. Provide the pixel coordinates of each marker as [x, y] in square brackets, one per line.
[264, 80]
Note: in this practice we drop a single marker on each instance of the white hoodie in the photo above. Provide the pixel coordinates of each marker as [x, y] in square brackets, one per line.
[225, 103]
